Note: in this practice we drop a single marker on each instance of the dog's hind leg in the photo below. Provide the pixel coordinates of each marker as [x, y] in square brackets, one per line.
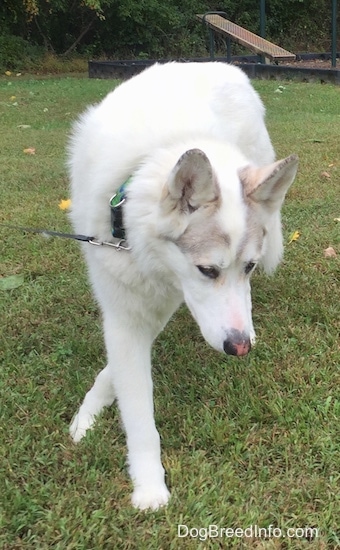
[99, 396]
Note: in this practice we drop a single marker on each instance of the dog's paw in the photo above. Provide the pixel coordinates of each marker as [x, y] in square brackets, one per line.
[79, 426]
[150, 497]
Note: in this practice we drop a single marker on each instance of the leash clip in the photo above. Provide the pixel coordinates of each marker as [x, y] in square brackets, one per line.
[117, 246]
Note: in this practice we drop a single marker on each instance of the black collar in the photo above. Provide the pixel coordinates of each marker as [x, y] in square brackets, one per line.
[116, 206]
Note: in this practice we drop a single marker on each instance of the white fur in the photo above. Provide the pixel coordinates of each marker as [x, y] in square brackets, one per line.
[193, 138]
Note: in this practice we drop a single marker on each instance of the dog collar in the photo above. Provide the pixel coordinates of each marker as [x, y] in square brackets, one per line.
[116, 206]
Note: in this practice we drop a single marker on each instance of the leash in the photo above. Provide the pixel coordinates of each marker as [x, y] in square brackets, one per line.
[119, 245]
[117, 226]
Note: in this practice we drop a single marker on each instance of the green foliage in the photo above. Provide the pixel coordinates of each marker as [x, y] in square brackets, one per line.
[160, 29]
[17, 53]
[154, 28]
[306, 24]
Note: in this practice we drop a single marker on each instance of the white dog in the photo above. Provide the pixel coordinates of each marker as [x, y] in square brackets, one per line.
[200, 202]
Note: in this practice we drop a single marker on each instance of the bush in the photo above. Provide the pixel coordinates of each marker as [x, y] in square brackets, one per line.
[149, 29]
[16, 53]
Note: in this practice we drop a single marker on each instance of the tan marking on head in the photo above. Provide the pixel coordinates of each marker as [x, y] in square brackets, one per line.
[200, 238]
[255, 232]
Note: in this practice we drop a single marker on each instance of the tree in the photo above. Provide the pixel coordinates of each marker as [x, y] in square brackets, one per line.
[60, 25]
[157, 28]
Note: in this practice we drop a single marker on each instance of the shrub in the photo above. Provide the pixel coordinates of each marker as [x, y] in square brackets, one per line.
[16, 53]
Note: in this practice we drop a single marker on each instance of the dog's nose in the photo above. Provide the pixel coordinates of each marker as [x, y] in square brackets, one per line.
[237, 343]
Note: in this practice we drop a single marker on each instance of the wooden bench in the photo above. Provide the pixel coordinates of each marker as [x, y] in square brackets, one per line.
[238, 34]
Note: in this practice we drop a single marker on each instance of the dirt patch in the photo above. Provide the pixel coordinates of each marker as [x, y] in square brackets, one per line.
[312, 64]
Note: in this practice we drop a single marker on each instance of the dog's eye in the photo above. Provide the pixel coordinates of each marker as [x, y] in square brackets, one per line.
[209, 271]
[249, 267]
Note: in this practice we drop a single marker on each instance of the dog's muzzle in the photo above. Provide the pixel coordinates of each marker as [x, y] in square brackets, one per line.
[237, 343]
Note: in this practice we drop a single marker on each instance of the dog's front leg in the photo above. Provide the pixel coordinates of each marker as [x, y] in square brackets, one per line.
[129, 353]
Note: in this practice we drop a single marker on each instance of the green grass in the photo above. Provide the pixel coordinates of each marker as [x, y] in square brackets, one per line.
[245, 442]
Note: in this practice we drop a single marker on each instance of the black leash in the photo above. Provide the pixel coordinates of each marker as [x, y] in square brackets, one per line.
[120, 245]
[117, 227]
[48, 233]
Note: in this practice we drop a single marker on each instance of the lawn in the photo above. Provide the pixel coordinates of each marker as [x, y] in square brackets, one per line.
[247, 443]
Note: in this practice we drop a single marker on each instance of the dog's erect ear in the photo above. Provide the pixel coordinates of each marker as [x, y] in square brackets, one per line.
[191, 183]
[269, 184]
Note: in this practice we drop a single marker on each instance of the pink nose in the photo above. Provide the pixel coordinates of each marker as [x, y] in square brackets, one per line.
[237, 343]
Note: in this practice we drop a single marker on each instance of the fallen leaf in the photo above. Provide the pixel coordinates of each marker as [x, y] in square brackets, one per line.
[294, 236]
[29, 151]
[11, 282]
[65, 204]
[336, 219]
[325, 175]
[8, 73]
[13, 97]
[329, 252]
[24, 126]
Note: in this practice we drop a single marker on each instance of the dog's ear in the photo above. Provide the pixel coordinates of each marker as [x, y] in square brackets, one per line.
[269, 184]
[191, 183]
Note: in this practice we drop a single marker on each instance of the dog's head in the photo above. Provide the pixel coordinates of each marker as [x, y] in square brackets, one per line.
[221, 220]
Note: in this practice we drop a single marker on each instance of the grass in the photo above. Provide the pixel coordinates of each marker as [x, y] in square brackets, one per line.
[245, 442]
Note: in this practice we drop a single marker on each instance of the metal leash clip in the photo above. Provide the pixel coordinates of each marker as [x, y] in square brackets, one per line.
[117, 246]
